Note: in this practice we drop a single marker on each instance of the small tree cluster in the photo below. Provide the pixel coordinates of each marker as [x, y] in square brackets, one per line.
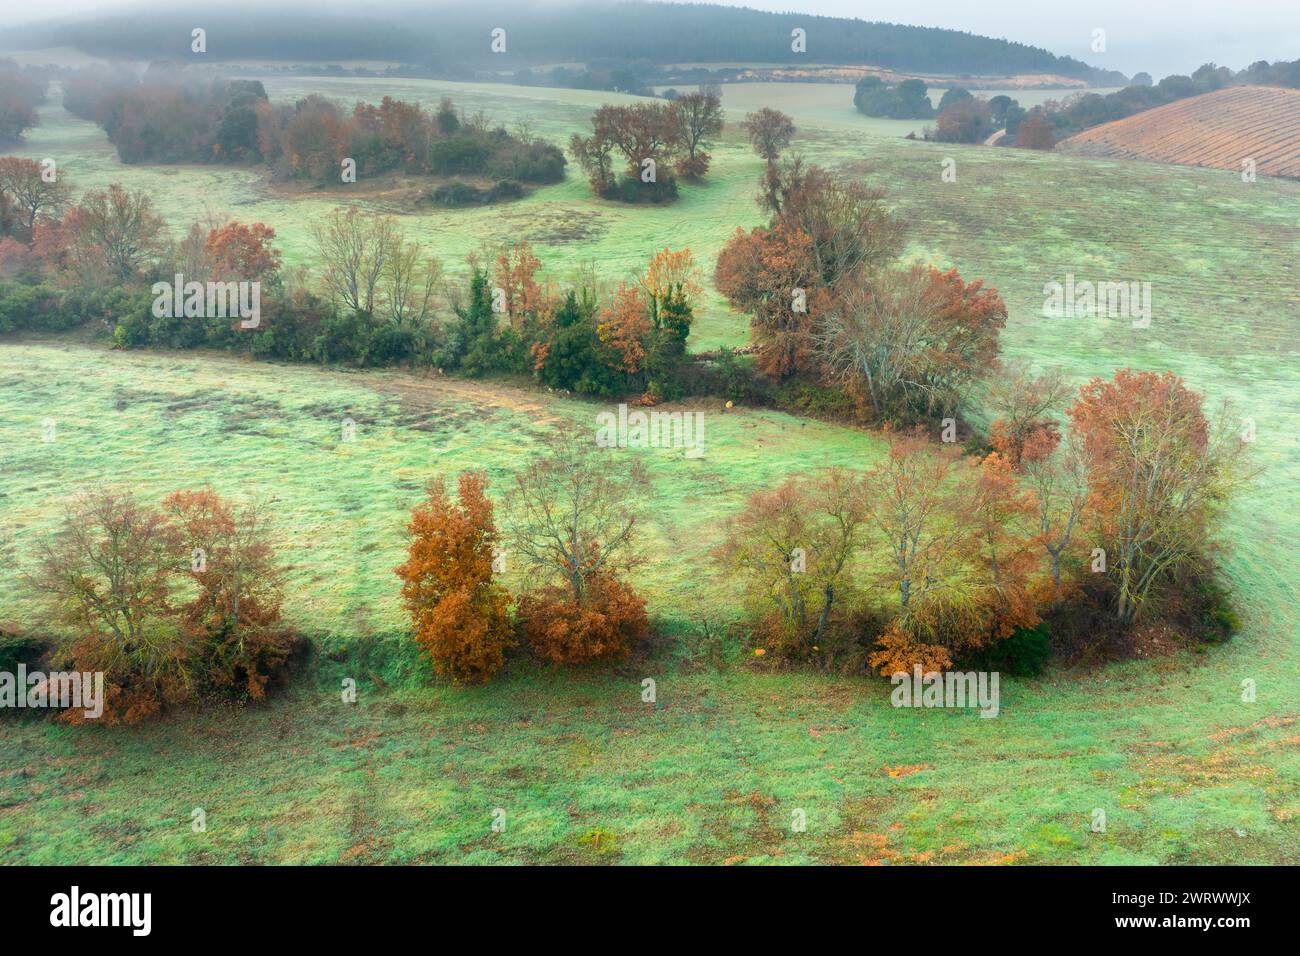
[827, 310]
[961, 555]
[571, 525]
[167, 602]
[657, 141]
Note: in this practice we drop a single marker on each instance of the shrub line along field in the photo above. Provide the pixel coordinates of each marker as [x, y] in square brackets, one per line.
[1186, 771]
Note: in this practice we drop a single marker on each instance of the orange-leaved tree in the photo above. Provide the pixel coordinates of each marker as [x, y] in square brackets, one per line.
[241, 640]
[515, 274]
[772, 275]
[1002, 540]
[459, 612]
[238, 252]
[1159, 477]
[625, 325]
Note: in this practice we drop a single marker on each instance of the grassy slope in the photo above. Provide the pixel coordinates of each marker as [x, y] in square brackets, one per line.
[1184, 769]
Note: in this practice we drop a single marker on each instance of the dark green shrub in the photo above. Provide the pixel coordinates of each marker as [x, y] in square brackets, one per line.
[21, 305]
[534, 162]
[17, 648]
[631, 190]
[457, 193]
[736, 379]
[817, 401]
[343, 339]
[576, 359]
[391, 344]
[461, 154]
[1024, 654]
[133, 331]
[1218, 618]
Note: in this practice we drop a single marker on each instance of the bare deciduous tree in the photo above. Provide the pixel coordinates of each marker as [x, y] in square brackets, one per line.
[573, 510]
[118, 228]
[31, 192]
[110, 570]
[355, 249]
[410, 282]
[1060, 487]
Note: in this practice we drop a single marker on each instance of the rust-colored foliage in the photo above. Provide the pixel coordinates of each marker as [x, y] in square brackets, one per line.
[1002, 551]
[237, 252]
[626, 326]
[241, 641]
[669, 270]
[772, 274]
[970, 319]
[899, 652]
[458, 611]
[1026, 405]
[515, 273]
[610, 620]
[1035, 133]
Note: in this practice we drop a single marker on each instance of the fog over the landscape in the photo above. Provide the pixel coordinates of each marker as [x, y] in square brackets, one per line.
[1158, 36]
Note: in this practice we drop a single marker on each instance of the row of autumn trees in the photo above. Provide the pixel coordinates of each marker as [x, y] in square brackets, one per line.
[165, 117]
[926, 559]
[183, 601]
[933, 559]
[376, 297]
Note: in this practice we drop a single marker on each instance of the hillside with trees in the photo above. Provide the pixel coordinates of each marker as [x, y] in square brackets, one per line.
[589, 30]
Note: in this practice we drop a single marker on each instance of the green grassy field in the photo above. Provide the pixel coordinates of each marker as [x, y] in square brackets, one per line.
[586, 772]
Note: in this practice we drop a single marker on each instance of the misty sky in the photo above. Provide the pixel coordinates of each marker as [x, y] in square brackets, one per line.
[1159, 36]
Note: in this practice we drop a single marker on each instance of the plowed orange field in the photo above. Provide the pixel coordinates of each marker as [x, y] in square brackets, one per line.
[1219, 129]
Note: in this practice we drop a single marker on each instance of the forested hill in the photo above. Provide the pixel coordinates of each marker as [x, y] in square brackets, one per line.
[580, 32]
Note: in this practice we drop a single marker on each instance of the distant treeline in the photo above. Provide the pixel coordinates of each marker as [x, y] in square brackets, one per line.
[166, 117]
[21, 91]
[1092, 109]
[583, 32]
